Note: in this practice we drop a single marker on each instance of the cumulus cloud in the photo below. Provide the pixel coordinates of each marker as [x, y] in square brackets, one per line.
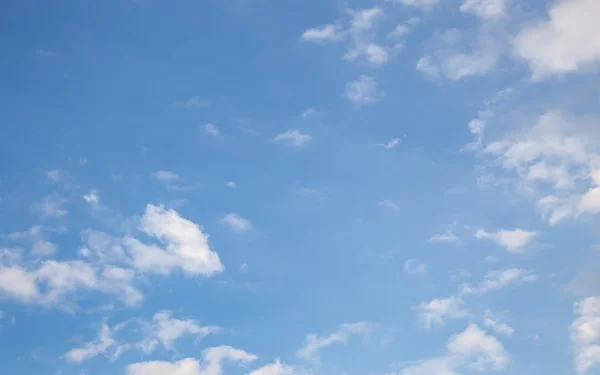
[392, 143]
[435, 312]
[585, 334]
[185, 245]
[293, 137]
[555, 159]
[564, 43]
[512, 240]
[472, 349]
[211, 364]
[314, 344]
[53, 281]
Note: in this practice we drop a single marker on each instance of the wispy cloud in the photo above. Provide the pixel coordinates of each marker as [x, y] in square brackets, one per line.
[194, 102]
[236, 222]
[363, 92]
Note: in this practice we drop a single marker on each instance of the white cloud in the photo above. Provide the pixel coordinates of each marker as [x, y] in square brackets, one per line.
[413, 267]
[512, 240]
[17, 283]
[390, 205]
[566, 42]
[231, 184]
[293, 137]
[309, 112]
[493, 321]
[83, 161]
[327, 33]
[313, 344]
[472, 348]
[423, 4]
[165, 329]
[36, 237]
[51, 206]
[554, 160]
[165, 176]
[194, 102]
[186, 247]
[363, 91]
[212, 359]
[211, 130]
[93, 198]
[53, 281]
[447, 237]
[236, 222]
[435, 312]
[426, 66]
[399, 32]
[496, 280]
[100, 346]
[585, 334]
[54, 175]
[276, 368]
[476, 127]
[392, 143]
[485, 9]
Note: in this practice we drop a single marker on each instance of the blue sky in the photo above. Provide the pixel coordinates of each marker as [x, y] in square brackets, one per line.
[402, 187]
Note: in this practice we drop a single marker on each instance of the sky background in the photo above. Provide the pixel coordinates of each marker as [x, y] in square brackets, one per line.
[401, 187]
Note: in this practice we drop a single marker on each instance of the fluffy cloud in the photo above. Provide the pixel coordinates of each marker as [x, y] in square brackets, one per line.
[585, 334]
[276, 368]
[185, 246]
[236, 222]
[513, 240]
[313, 344]
[555, 160]
[363, 91]
[566, 42]
[211, 363]
[438, 310]
[293, 137]
[472, 348]
[389, 204]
